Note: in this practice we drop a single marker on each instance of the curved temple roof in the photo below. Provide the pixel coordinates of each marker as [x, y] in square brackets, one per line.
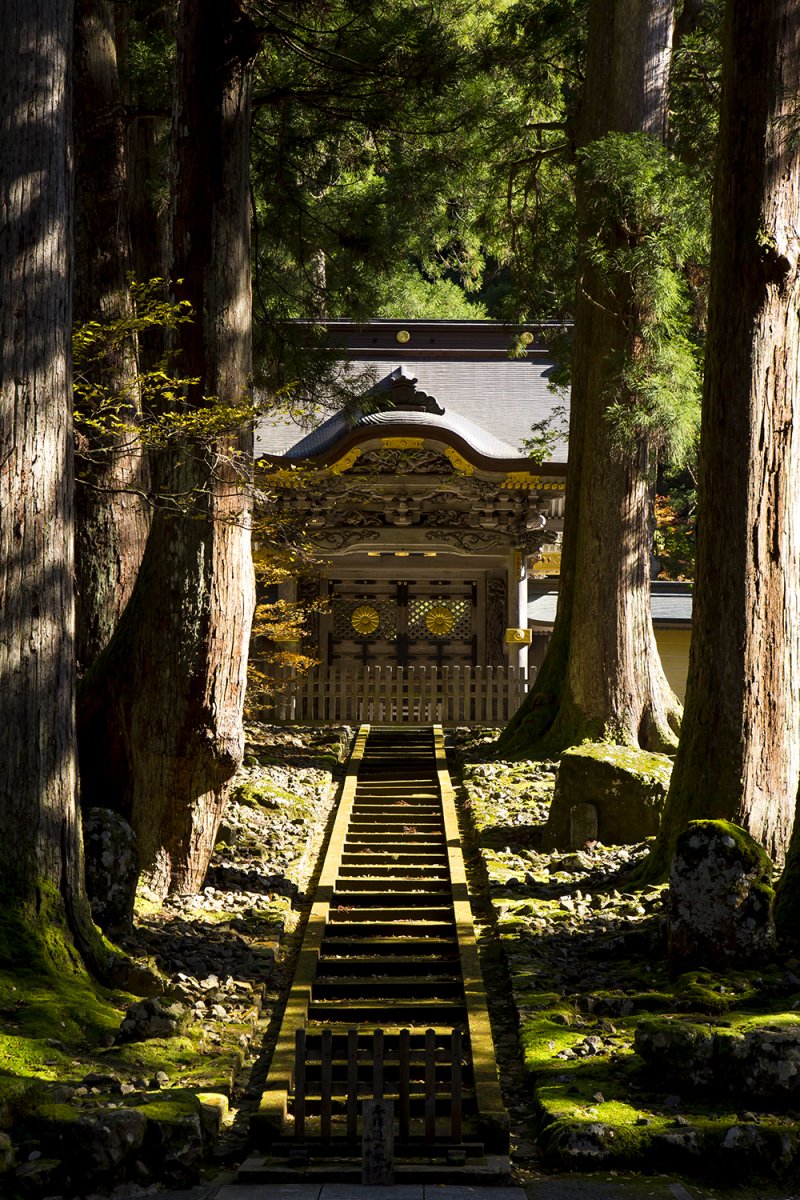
[422, 424]
[454, 378]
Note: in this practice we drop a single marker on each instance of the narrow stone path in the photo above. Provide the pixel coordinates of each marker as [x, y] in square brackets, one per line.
[389, 946]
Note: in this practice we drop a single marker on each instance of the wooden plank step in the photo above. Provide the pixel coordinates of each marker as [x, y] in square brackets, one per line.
[388, 929]
[393, 885]
[421, 987]
[404, 947]
[380, 871]
[396, 965]
[375, 922]
[386, 862]
[390, 1010]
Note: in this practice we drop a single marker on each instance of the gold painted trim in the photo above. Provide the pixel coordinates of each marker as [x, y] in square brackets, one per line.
[524, 480]
[459, 462]
[346, 461]
[403, 443]
[520, 480]
[440, 620]
[518, 637]
[365, 619]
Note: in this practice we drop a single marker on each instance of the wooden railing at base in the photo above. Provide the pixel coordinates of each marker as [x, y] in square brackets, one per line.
[355, 1093]
[417, 695]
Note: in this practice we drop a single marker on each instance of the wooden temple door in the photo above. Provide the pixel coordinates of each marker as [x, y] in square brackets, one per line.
[441, 623]
[425, 622]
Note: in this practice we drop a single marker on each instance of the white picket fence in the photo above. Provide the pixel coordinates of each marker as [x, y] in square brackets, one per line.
[415, 695]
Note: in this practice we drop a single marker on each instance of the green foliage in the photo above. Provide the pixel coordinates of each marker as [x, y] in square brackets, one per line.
[695, 91]
[413, 297]
[143, 408]
[644, 222]
[547, 435]
[107, 409]
[675, 532]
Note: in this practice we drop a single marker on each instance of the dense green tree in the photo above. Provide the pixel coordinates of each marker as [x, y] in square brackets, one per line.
[739, 753]
[370, 168]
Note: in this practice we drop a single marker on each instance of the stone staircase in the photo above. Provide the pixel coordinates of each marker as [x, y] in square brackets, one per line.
[387, 1005]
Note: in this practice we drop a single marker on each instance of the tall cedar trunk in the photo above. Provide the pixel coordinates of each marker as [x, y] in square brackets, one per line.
[602, 676]
[163, 718]
[739, 754]
[112, 512]
[40, 841]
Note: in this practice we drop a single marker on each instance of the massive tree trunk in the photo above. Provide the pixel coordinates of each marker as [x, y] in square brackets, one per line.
[40, 838]
[739, 753]
[602, 676]
[162, 723]
[112, 513]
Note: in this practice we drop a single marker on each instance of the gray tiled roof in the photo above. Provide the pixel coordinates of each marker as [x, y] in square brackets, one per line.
[502, 397]
[326, 435]
[670, 602]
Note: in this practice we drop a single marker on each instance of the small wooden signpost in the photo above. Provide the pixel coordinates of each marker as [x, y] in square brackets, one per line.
[377, 1153]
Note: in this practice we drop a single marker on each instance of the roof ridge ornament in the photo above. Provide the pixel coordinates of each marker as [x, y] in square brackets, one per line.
[403, 394]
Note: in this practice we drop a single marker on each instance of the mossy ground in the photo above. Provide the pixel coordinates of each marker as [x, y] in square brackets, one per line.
[586, 951]
[58, 1055]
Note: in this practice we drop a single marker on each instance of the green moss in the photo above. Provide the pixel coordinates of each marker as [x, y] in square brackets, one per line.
[172, 1108]
[753, 855]
[651, 768]
[263, 793]
[45, 990]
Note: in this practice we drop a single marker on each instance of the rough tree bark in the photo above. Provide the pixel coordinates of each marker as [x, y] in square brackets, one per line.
[112, 512]
[739, 754]
[162, 723]
[602, 676]
[41, 866]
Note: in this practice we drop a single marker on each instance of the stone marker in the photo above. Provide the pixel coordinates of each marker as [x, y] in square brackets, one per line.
[720, 898]
[112, 868]
[377, 1156]
[583, 825]
[625, 787]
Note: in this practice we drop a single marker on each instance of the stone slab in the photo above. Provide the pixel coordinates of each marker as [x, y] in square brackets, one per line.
[269, 1191]
[358, 1191]
[465, 1191]
[578, 1189]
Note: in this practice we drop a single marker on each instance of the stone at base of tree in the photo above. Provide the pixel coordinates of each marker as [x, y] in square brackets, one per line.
[7, 1155]
[173, 1144]
[112, 867]
[720, 899]
[94, 1148]
[578, 1145]
[39, 1177]
[137, 977]
[752, 1152]
[152, 1019]
[758, 1064]
[624, 786]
